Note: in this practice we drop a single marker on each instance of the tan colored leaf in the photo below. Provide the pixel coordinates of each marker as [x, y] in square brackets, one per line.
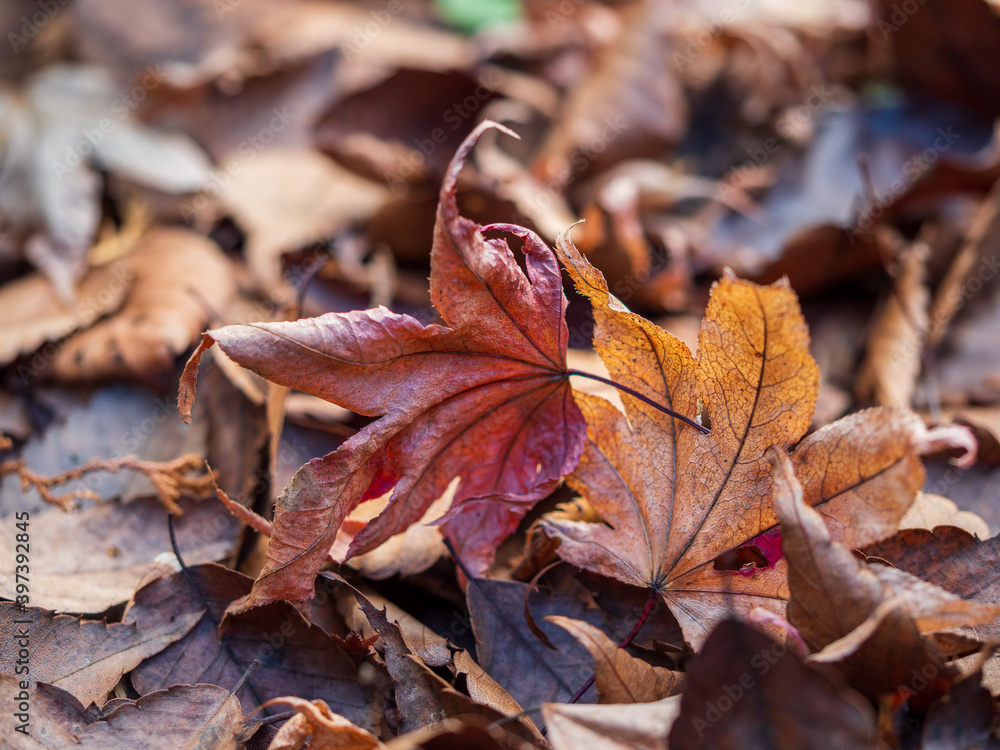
[95, 559]
[32, 313]
[287, 198]
[329, 731]
[85, 658]
[180, 280]
[487, 691]
[621, 677]
[611, 727]
[690, 515]
[894, 357]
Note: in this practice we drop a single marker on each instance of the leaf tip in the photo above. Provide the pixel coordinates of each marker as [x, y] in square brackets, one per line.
[189, 378]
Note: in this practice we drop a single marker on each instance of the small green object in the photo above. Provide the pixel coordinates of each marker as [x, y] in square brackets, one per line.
[471, 16]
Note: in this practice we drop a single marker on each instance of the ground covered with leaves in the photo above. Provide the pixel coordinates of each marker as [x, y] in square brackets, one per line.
[325, 422]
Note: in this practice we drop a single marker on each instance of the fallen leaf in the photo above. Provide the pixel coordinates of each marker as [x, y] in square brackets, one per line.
[619, 676]
[32, 313]
[611, 727]
[423, 698]
[746, 690]
[59, 131]
[487, 691]
[930, 511]
[832, 592]
[94, 559]
[515, 657]
[495, 377]
[962, 718]
[329, 731]
[85, 658]
[168, 305]
[895, 347]
[184, 716]
[432, 649]
[411, 552]
[286, 199]
[719, 551]
[295, 657]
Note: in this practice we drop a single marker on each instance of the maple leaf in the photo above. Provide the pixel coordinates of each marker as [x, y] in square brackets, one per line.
[689, 514]
[485, 396]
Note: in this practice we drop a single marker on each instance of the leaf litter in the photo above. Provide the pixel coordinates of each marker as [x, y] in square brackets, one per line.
[718, 496]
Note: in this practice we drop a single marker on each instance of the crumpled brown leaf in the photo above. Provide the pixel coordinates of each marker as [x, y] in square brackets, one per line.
[85, 658]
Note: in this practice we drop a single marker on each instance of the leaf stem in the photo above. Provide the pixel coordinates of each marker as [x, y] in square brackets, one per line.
[624, 644]
[636, 394]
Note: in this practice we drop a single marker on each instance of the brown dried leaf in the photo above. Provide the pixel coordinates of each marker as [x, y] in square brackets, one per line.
[182, 717]
[286, 199]
[296, 657]
[85, 658]
[329, 731]
[95, 559]
[180, 280]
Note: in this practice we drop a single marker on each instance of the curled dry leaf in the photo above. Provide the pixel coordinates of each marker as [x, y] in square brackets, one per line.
[85, 658]
[832, 592]
[868, 620]
[180, 280]
[619, 676]
[493, 380]
[329, 731]
[690, 515]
